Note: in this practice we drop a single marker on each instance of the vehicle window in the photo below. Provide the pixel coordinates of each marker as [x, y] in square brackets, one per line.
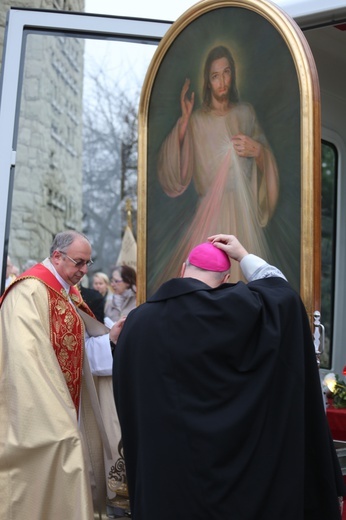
[328, 225]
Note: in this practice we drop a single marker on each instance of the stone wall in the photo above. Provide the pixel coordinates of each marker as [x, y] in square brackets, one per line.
[47, 195]
[59, 5]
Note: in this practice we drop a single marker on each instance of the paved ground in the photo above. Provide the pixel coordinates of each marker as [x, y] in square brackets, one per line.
[113, 513]
[111, 517]
[105, 517]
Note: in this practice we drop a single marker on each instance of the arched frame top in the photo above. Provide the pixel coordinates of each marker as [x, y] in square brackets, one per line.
[310, 138]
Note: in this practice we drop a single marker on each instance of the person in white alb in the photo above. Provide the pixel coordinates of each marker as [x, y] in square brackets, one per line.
[52, 434]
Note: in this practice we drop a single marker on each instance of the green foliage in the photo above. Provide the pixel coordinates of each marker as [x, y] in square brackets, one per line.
[339, 393]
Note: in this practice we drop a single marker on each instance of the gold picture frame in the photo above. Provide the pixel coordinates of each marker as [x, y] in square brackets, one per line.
[282, 86]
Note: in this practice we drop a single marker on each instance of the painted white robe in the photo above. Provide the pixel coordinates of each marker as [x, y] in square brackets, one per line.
[233, 192]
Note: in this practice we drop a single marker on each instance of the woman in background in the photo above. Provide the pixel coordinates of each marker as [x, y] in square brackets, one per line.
[102, 284]
[123, 283]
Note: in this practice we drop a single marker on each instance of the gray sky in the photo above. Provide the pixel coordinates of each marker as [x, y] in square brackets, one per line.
[157, 9]
[168, 10]
[107, 55]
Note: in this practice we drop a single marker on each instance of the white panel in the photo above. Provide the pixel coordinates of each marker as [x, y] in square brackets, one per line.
[86, 25]
[313, 11]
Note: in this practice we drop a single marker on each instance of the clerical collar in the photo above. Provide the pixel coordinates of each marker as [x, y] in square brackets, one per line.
[47, 263]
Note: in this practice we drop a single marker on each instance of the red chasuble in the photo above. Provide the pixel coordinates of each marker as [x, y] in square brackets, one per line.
[66, 326]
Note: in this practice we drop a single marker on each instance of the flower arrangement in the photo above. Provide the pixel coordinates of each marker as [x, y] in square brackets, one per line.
[337, 388]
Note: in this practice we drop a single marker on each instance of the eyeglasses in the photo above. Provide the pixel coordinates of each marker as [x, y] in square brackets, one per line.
[113, 280]
[78, 263]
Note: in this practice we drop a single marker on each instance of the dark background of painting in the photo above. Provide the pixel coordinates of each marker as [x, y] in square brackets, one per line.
[266, 78]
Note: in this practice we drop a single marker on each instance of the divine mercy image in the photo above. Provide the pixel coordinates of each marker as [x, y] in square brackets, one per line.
[222, 148]
[222, 117]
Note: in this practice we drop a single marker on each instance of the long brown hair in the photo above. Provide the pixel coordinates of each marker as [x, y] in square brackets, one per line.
[215, 54]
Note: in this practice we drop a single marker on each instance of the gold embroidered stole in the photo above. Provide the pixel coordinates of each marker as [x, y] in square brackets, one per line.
[66, 326]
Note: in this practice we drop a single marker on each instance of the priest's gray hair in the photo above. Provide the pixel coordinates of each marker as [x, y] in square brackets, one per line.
[64, 239]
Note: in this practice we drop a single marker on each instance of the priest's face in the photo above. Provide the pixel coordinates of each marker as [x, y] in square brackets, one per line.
[72, 264]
